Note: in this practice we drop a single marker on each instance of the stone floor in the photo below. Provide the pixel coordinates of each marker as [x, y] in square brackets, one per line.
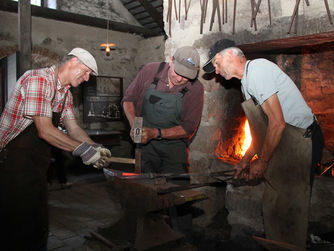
[79, 210]
[86, 207]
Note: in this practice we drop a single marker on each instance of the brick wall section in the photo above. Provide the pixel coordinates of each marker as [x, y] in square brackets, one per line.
[317, 87]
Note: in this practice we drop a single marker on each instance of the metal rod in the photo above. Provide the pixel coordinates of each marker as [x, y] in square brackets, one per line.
[327, 169]
[234, 14]
[223, 8]
[269, 10]
[205, 8]
[186, 8]
[293, 15]
[296, 20]
[328, 12]
[202, 16]
[255, 13]
[180, 11]
[218, 14]
[214, 8]
[225, 11]
[168, 11]
[252, 8]
[170, 18]
[175, 8]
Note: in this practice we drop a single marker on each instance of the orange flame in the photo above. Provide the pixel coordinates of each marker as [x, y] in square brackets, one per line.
[233, 149]
[247, 139]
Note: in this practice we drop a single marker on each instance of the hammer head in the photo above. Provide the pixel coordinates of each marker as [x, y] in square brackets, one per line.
[137, 129]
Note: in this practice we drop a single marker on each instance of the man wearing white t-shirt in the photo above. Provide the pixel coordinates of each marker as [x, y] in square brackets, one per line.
[285, 210]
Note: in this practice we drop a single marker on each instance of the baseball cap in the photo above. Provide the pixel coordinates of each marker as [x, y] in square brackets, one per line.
[186, 62]
[86, 58]
[217, 47]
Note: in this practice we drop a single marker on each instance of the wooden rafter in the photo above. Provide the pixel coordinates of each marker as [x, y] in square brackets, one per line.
[157, 17]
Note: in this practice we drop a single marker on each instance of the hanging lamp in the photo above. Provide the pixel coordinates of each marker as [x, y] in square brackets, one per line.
[107, 47]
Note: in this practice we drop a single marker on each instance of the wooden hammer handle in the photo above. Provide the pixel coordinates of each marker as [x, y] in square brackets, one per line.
[119, 160]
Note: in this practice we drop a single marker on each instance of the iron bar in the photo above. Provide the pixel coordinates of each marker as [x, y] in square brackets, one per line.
[328, 12]
[234, 15]
[293, 15]
[269, 10]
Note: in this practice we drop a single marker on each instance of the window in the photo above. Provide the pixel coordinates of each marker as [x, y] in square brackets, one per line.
[33, 2]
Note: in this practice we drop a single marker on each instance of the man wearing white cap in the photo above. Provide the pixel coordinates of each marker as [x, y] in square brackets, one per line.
[41, 101]
[169, 97]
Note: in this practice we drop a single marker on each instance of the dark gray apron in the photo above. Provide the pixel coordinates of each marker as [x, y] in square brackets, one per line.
[163, 110]
[287, 179]
[23, 190]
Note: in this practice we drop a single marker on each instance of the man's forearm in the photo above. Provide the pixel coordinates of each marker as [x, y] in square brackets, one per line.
[272, 139]
[129, 110]
[53, 136]
[276, 126]
[176, 132]
[76, 132]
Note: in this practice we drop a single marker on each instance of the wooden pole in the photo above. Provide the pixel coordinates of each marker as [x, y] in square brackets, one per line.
[24, 36]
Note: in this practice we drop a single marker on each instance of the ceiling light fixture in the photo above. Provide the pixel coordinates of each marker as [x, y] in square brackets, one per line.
[107, 47]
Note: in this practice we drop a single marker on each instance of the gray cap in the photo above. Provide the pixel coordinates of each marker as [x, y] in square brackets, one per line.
[86, 58]
[186, 62]
[219, 46]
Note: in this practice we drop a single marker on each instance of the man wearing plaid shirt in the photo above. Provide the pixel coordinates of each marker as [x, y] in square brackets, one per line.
[40, 102]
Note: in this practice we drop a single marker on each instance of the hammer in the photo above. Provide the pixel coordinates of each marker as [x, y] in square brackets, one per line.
[137, 133]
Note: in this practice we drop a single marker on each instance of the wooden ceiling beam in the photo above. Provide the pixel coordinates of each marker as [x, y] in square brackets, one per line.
[289, 43]
[157, 17]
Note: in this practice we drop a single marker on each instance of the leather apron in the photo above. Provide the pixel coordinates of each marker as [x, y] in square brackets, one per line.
[163, 110]
[23, 190]
[287, 179]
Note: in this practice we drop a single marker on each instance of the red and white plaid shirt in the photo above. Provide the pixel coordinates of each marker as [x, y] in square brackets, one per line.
[36, 93]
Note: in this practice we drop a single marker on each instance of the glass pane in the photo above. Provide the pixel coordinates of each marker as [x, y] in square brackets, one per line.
[33, 2]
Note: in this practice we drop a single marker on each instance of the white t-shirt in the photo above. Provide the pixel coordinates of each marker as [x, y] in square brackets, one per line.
[263, 79]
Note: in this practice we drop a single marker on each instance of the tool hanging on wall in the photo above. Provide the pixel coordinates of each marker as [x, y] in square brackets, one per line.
[269, 11]
[234, 15]
[169, 17]
[294, 16]
[204, 6]
[179, 11]
[215, 8]
[256, 8]
[176, 16]
[186, 8]
[328, 12]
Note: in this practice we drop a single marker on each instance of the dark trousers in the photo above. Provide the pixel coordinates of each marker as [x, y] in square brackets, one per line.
[57, 167]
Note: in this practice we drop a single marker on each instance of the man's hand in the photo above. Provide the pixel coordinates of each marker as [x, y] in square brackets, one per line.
[242, 169]
[257, 169]
[88, 153]
[105, 152]
[147, 134]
